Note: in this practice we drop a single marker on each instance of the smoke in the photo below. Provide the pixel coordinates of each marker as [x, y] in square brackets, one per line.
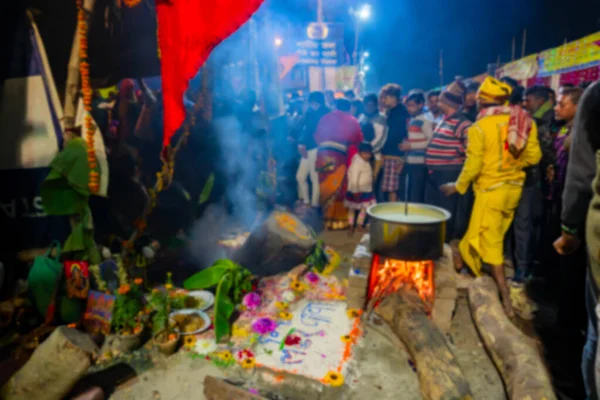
[238, 210]
[240, 171]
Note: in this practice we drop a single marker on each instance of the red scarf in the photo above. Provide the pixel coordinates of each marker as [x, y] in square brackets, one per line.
[519, 126]
[188, 30]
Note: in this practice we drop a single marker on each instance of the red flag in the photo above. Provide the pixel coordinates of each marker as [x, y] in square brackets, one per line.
[188, 30]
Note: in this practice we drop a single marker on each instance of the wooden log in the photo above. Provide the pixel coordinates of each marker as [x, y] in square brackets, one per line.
[54, 368]
[440, 376]
[218, 389]
[516, 357]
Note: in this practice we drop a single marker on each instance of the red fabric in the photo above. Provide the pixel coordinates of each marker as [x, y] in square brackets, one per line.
[188, 30]
[583, 75]
[519, 126]
[340, 127]
[542, 81]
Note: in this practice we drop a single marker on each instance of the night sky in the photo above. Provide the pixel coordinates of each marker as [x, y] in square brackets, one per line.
[405, 36]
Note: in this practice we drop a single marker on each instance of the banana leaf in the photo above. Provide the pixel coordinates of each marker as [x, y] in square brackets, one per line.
[223, 306]
[207, 278]
[211, 276]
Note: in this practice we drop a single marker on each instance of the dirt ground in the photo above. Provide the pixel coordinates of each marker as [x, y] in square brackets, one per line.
[380, 366]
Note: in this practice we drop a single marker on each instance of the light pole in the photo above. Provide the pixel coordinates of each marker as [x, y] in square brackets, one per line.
[360, 15]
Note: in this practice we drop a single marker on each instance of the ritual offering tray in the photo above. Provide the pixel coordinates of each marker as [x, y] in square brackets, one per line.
[189, 321]
[195, 300]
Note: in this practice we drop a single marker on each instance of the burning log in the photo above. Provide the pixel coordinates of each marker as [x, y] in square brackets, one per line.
[516, 358]
[281, 243]
[54, 368]
[439, 374]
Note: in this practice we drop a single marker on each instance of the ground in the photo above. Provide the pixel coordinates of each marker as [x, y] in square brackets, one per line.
[380, 366]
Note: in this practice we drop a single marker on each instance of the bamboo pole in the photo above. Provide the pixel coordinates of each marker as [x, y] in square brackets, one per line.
[72, 86]
[441, 67]
[514, 49]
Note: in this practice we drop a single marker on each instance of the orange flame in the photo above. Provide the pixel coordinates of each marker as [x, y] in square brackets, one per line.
[395, 274]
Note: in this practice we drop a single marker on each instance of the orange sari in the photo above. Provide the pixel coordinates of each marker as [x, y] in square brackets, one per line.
[332, 166]
[337, 135]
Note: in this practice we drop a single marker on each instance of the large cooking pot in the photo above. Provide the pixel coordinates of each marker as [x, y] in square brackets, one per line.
[411, 232]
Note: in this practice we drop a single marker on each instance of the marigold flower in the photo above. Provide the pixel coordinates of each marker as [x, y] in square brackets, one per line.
[72, 326]
[168, 286]
[334, 379]
[248, 363]
[298, 286]
[353, 313]
[347, 339]
[189, 342]
[286, 316]
[124, 289]
[172, 336]
[138, 281]
[226, 356]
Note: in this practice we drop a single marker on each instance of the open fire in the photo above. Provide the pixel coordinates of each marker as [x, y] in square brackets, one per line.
[388, 275]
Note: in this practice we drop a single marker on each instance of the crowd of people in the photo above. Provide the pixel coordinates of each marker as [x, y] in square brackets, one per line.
[511, 165]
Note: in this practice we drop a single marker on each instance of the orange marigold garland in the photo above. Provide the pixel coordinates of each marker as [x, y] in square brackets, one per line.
[86, 91]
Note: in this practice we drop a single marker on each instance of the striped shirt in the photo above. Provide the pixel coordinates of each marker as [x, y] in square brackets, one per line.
[447, 148]
[420, 131]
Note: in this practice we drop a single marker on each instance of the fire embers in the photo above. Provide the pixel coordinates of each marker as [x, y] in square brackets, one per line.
[390, 275]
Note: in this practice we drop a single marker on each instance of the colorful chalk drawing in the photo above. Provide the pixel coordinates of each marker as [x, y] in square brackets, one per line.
[320, 325]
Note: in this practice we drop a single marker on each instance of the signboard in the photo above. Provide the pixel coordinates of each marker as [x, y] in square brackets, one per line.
[580, 54]
[323, 46]
[520, 70]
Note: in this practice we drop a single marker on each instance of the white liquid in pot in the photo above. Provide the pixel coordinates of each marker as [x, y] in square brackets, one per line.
[408, 218]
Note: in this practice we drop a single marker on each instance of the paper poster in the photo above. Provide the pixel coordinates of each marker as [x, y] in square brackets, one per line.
[98, 313]
[310, 344]
[78, 279]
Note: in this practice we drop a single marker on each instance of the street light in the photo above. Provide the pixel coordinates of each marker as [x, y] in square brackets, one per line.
[364, 13]
[366, 54]
[366, 68]
[278, 41]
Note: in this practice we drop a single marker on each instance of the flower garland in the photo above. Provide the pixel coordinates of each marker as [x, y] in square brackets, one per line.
[86, 90]
[95, 270]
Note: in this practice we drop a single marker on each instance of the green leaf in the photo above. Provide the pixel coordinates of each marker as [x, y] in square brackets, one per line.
[207, 278]
[207, 190]
[223, 306]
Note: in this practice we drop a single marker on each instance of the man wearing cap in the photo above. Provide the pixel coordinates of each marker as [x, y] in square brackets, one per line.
[445, 156]
[502, 143]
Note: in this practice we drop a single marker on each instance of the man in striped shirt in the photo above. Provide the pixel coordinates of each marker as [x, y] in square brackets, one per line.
[445, 156]
[420, 131]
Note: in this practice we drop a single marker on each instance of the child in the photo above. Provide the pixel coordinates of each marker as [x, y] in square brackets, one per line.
[420, 131]
[360, 186]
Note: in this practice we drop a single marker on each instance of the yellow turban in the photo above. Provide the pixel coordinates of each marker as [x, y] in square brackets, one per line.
[492, 91]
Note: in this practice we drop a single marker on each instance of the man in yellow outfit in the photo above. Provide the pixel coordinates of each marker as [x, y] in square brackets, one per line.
[501, 144]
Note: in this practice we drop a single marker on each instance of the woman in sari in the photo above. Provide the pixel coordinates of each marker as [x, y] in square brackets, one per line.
[338, 135]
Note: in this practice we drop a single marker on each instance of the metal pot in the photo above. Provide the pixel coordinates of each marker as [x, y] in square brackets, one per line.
[411, 232]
